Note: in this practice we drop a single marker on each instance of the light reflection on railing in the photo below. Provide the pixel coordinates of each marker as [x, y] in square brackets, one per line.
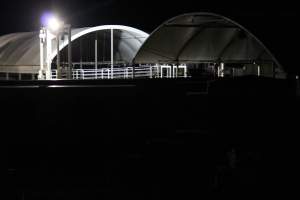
[124, 73]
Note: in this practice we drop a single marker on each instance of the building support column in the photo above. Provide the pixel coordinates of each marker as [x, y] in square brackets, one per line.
[80, 50]
[96, 57]
[58, 57]
[41, 60]
[112, 53]
[133, 71]
[221, 69]
[297, 85]
[48, 54]
[258, 70]
[42, 42]
[70, 65]
[274, 70]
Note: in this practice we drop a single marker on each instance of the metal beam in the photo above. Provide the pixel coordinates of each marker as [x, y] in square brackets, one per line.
[207, 24]
[58, 57]
[80, 50]
[48, 54]
[188, 42]
[228, 45]
[200, 25]
[112, 53]
[96, 55]
[212, 21]
[70, 52]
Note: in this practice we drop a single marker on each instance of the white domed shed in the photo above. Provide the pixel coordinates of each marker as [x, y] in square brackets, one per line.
[20, 52]
[203, 37]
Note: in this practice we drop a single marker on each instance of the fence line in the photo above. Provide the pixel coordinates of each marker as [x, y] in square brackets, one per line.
[121, 73]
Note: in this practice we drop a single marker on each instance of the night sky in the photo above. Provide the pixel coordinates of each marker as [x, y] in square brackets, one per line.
[24, 15]
[274, 23]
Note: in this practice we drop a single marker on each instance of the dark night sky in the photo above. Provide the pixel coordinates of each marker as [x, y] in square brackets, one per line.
[24, 15]
[273, 23]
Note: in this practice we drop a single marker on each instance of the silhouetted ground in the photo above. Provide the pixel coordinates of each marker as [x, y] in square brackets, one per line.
[150, 139]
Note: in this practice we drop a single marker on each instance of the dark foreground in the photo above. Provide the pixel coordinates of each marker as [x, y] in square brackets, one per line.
[150, 139]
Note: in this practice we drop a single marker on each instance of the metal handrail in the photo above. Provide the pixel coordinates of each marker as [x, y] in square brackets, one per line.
[119, 73]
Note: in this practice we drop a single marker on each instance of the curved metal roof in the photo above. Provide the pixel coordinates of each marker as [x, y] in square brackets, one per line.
[202, 37]
[21, 51]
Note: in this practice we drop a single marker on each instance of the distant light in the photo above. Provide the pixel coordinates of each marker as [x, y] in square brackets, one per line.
[54, 24]
[51, 21]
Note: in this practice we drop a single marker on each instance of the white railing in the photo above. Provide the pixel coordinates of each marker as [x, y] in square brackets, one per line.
[121, 73]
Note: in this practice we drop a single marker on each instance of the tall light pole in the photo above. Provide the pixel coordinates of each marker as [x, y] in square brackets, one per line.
[55, 25]
[43, 41]
[54, 29]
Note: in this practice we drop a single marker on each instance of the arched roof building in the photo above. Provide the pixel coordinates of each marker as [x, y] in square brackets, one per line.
[204, 38]
[20, 52]
[179, 47]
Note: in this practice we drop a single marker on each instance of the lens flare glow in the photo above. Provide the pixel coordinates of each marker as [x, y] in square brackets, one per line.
[50, 21]
[53, 24]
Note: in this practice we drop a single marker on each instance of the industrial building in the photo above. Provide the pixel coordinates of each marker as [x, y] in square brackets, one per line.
[189, 45]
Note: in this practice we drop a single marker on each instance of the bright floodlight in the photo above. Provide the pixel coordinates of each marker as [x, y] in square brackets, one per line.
[54, 24]
[51, 21]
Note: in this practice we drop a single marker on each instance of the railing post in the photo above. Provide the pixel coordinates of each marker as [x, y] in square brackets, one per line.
[133, 72]
[82, 72]
[221, 69]
[53, 74]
